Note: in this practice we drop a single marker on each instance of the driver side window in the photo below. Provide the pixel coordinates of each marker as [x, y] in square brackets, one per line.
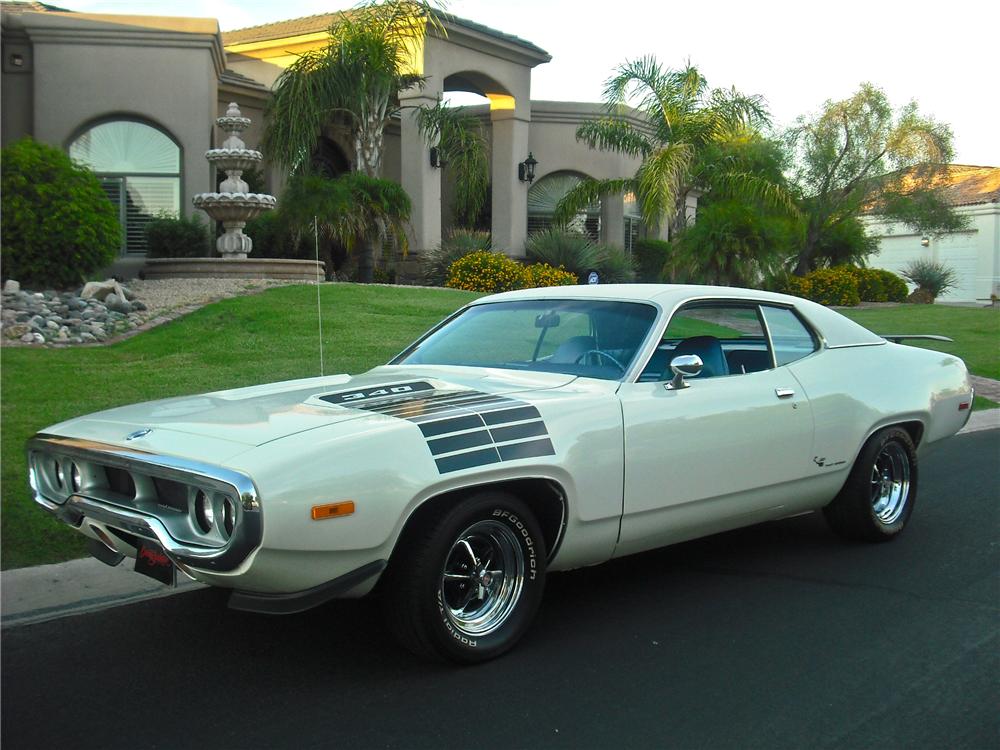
[728, 337]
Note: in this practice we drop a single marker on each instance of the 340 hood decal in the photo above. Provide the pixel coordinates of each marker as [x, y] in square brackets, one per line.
[463, 429]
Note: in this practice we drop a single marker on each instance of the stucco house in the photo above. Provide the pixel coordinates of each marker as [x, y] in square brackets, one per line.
[973, 253]
[135, 98]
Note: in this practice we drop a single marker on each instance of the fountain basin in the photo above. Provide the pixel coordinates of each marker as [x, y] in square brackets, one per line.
[234, 206]
[234, 268]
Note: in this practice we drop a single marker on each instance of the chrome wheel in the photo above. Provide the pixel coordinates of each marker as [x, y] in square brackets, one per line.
[890, 482]
[482, 578]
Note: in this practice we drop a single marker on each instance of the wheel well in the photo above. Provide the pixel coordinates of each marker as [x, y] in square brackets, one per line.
[545, 498]
[916, 430]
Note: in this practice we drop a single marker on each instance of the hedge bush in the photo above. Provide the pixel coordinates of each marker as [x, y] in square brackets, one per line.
[539, 275]
[650, 257]
[58, 225]
[456, 244]
[878, 285]
[484, 271]
[273, 238]
[173, 237]
[833, 286]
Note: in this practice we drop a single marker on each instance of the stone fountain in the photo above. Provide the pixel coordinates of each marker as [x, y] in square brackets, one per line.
[234, 205]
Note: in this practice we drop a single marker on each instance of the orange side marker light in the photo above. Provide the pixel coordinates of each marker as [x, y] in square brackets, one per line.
[332, 510]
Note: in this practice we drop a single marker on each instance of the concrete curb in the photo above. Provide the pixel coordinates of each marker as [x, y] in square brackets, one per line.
[49, 592]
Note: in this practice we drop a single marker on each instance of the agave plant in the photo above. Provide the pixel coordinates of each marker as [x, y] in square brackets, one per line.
[558, 247]
[930, 276]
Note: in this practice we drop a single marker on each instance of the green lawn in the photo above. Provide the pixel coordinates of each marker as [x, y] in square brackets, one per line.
[273, 336]
[237, 342]
[976, 330]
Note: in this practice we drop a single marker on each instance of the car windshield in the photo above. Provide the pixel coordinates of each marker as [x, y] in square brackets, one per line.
[591, 338]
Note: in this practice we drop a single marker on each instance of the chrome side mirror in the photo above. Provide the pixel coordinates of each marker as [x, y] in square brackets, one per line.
[685, 365]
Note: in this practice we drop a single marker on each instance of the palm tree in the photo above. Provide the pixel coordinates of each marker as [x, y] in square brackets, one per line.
[681, 117]
[463, 149]
[353, 82]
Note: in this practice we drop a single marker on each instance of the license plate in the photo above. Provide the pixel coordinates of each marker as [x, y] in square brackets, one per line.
[151, 561]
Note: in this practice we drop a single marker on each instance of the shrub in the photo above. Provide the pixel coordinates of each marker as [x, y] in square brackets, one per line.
[560, 248]
[614, 265]
[58, 225]
[273, 238]
[485, 271]
[456, 244]
[650, 257]
[540, 275]
[797, 286]
[895, 288]
[833, 286]
[930, 276]
[171, 237]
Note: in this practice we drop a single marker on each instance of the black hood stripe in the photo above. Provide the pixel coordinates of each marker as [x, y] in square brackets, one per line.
[459, 425]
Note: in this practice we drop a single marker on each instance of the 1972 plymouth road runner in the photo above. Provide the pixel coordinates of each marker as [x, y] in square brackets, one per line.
[530, 432]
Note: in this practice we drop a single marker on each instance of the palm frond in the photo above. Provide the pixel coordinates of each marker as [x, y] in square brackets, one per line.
[587, 192]
[611, 134]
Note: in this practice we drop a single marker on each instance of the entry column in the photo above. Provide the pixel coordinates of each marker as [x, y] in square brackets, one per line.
[420, 180]
[510, 195]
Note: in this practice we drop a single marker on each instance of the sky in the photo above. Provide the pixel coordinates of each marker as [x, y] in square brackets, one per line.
[796, 54]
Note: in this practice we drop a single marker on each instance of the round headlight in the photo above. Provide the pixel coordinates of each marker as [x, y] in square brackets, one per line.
[77, 478]
[60, 476]
[228, 516]
[204, 513]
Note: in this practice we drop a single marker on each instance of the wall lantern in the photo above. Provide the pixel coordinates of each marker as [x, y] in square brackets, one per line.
[925, 241]
[526, 169]
[436, 161]
[17, 60]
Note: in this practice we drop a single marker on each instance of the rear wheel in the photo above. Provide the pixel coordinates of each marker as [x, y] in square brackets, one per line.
[877, 499]
[466, 584]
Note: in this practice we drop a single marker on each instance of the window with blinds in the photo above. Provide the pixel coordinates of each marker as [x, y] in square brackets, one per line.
[140, 169]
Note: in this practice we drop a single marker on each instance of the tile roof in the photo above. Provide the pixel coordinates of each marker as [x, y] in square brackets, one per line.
[322, 21]
[968, 185]
[31, 7]
[231, 76]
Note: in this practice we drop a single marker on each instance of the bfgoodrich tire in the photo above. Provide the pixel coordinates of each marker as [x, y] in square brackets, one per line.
[877, 500]
[466, 584]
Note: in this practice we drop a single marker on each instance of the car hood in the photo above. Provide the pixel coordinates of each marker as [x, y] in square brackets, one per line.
[247, 417]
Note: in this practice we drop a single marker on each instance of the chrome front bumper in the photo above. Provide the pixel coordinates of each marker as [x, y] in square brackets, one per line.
[86, 505]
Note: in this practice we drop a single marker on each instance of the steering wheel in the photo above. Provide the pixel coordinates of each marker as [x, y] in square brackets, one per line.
[599, 353]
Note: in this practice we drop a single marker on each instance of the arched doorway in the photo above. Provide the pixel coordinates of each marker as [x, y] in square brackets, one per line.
[543, 197]
[139, 166]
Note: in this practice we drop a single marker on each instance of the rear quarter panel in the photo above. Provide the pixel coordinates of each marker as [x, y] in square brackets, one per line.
[855, 391]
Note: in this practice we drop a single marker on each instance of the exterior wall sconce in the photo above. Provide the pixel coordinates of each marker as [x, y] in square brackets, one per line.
[925, 241]
[17, 60]
[526, 169]
[436, 161]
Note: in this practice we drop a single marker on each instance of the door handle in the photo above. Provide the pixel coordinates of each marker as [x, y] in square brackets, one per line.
[784, 392]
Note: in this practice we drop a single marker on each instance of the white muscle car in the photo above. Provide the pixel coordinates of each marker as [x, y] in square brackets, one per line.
[530, 432]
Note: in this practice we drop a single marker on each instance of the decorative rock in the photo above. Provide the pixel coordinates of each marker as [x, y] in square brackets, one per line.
[101, 289]
[51, 325]
[117, 304]
[11, 287]
[17, 330]
[29, 338]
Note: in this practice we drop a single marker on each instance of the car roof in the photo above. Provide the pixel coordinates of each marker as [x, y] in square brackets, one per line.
[835, 329]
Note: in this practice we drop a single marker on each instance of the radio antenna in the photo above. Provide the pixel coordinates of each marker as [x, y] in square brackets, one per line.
[319, 280]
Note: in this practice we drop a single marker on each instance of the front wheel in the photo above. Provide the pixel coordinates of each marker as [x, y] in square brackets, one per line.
[466, 584]
[878, 497]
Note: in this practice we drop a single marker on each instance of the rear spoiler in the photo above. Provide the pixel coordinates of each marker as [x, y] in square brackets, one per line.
[899, 337]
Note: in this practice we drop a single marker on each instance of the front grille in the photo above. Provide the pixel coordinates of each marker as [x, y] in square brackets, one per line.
[135, 486]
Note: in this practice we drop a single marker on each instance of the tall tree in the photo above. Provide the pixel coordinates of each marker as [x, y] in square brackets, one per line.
[679, 118]
[354, 81]
[859, 156]
[737, 240]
